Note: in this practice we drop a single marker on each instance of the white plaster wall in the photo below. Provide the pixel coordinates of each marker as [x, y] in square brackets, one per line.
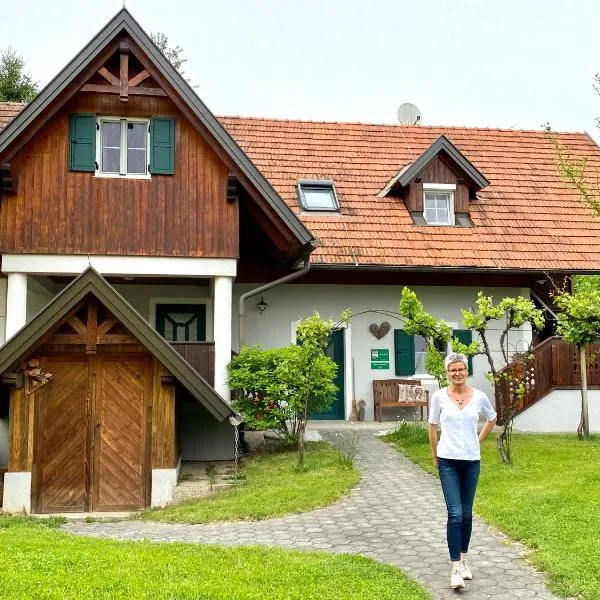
[288, 303]
[17, 493]
[559, 412]
[202, 436]
[38, 295]
[163, 484]
[4, 442]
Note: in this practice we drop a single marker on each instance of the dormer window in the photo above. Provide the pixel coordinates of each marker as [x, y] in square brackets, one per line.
[317, 195]
[438, 203]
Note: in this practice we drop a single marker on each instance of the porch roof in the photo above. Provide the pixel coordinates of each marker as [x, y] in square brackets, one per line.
[91, 282]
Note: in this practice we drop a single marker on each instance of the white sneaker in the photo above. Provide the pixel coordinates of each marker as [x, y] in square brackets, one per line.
[456, 580]
[464, 570]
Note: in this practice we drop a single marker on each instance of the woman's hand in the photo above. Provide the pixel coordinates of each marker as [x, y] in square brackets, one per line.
[436, 463]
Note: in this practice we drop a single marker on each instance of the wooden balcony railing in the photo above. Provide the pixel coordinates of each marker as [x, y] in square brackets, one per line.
[201, 355]
[554, 364]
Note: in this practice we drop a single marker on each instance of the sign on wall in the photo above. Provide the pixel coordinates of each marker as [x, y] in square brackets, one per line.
[380, 358]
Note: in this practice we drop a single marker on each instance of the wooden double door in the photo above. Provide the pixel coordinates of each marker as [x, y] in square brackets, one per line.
[91, 426]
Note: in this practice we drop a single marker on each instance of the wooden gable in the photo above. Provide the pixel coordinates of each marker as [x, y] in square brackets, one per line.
[194, 212]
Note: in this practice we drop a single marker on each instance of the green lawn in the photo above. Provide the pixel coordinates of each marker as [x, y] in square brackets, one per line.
[273, 487]
[39, 562]
[549, 500]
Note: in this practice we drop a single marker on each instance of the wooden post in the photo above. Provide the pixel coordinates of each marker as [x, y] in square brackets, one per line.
[124, 72]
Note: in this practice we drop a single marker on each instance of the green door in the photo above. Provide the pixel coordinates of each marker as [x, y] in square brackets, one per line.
[181, 322]
[335, 350]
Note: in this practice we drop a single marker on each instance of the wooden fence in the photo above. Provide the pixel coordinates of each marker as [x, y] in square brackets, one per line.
[553, 364]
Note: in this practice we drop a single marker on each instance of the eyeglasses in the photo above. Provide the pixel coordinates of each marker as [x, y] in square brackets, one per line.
[456, 371]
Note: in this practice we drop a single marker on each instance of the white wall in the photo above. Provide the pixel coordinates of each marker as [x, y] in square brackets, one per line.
[288, 303]
[559, 412]
[39, 293]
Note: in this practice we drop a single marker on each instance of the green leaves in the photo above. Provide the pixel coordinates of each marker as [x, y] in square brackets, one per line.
[15, 85]
[579, 319]
[280, 387]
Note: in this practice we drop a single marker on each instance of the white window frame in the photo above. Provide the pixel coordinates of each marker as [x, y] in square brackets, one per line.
[324, 184]
[425, 376]
[441, 188]
[123, 167]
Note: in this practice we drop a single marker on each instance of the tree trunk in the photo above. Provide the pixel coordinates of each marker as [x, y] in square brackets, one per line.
[301, 428]
[583, 431]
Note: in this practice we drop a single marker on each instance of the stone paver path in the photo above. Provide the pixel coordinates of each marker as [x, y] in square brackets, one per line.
[395, 515]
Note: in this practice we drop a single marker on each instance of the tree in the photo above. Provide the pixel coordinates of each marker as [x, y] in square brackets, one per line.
[173, 53]
[579, 323]
[514, 313]
[15, 84]
[281, 387]
[437, 333]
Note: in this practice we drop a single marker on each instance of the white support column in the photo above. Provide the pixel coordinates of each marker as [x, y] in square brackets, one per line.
[223, 287]
[16, 303]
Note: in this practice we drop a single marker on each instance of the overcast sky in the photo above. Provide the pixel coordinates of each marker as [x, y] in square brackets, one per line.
[486, 63]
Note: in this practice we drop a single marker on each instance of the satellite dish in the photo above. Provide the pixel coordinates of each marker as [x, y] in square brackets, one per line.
[409, 114]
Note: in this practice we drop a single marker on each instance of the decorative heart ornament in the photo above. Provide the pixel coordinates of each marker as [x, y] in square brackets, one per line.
[379, 331]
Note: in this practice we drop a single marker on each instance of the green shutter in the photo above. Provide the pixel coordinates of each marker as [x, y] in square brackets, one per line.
[404, 349]
[465, 336]
[82, 152]
[162, 144]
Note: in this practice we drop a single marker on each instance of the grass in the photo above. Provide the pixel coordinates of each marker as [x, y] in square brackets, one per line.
[549, 500]
[42, 563]
[273, 487]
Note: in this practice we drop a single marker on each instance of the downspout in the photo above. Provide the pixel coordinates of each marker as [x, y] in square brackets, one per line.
[263, 288]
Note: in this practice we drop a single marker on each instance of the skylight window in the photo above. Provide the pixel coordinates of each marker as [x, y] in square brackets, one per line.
[317, 195]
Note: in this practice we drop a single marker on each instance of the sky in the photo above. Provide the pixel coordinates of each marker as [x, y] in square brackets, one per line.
[508, 64]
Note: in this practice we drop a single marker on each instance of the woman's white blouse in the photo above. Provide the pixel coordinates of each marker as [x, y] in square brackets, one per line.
[459, 439]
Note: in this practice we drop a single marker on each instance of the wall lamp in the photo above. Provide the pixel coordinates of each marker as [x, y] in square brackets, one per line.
[262, 305]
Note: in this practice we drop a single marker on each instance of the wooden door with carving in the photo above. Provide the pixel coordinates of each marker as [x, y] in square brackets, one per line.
[61, 479]
[120, 453]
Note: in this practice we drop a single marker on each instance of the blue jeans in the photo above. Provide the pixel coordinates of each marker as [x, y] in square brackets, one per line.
[459, 481]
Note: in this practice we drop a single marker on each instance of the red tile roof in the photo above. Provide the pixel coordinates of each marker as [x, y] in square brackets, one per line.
[527, 218]
[8, 111]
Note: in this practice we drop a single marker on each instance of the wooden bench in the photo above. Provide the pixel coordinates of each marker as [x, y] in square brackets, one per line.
[385, 395]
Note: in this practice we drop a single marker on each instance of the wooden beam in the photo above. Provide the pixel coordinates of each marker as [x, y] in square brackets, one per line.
[114, 89]
[141, 76]
[124, 70]
[92, 327]
[77, 325]
[117, 338]
[109, 76]
[7, 181]
[101, 88]
[107, 325]
[146, 91]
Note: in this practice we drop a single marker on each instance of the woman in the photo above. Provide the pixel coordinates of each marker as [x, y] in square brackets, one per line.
[456, 409]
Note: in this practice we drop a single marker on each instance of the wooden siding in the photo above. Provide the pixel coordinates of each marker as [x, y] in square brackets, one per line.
[437, 172]
[20, 450]
[63, 212]
[164, 452]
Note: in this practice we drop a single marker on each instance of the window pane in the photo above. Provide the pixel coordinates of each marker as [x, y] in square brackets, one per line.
[111, 147]
[430, 215]
[111, 135]
[111, 160]
[419, 343]
[136, 148]
[136, 161]
[136, 135]
[318, 197]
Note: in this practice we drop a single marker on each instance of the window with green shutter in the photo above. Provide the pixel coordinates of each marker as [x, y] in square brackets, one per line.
[404, 351]
[162, 140]
[465, 336]
[82, 149]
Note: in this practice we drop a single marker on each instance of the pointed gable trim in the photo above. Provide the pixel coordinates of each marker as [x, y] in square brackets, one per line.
[90, 281]
[442, 144]
[123, 20]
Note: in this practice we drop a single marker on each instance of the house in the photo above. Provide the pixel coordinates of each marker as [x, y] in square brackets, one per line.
[130, 215]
